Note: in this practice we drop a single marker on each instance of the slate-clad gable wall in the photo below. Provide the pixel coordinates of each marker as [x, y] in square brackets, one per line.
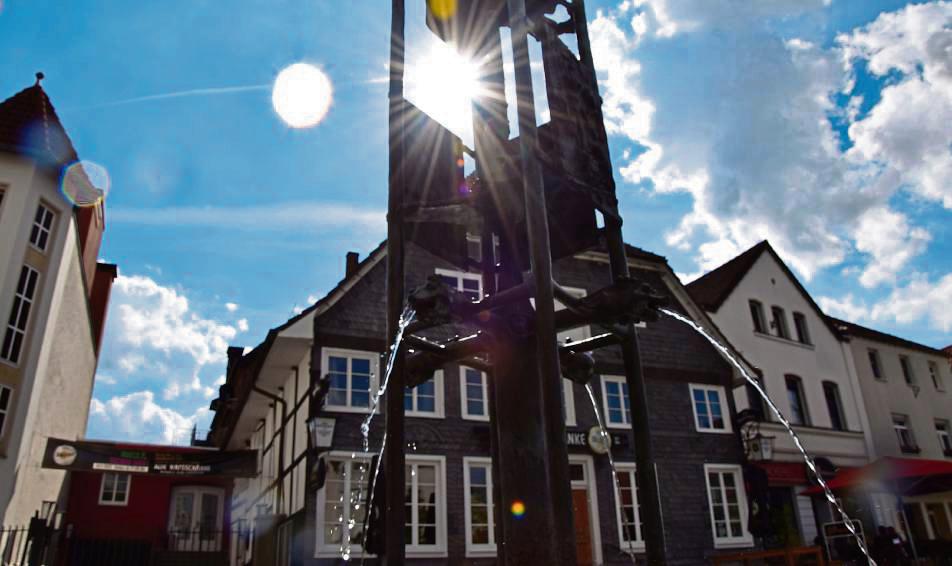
[673, 355]
[666, 343]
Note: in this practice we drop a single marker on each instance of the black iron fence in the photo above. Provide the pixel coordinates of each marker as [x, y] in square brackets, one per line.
[198, 546]
[14, 546]
[32, 545]
[201, 546]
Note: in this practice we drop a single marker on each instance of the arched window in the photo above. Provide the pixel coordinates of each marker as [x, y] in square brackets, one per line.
[798, 405]
[834, 404]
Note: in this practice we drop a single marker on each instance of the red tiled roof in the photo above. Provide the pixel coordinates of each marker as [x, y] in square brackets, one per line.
[29, 125]
[711, 289]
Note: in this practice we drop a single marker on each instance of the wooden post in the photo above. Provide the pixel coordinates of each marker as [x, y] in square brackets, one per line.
[394, 458]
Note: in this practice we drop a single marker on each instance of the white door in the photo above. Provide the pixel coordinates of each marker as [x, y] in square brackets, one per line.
[195, 519]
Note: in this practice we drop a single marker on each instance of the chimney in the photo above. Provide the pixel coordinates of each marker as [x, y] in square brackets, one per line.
[352, 261]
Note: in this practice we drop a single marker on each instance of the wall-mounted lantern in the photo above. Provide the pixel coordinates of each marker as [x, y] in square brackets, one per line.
[760, 448]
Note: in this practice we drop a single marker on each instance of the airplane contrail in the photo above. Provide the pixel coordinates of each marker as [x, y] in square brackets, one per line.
[181, 94]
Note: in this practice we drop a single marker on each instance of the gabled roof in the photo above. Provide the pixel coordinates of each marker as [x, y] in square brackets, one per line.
[853, 329]
[29, 125]
[712, 289]
[252, 362]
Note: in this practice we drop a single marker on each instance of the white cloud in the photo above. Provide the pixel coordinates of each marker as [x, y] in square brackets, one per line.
[147, 316]
[746, 131]
[231, 307]
[155, 339]
[908, 130]
[920, 299]
[847, 308]
[888, 238]
[668, 18]
[138, 417]
[105, 379]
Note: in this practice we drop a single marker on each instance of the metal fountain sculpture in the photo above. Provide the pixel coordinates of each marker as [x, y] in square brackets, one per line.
[531, 199]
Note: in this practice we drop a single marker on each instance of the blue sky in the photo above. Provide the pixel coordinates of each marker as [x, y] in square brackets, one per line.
[821, 125]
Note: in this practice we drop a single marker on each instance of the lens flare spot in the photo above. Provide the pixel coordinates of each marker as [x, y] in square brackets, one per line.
[85, 183]
[302, 95]
[442, 9]
[518, 509]
[484, 316]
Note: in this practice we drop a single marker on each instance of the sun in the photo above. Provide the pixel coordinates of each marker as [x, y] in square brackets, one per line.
[302, 95]
[443, 83]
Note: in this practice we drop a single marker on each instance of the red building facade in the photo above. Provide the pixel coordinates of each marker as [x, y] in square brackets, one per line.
[169, 507]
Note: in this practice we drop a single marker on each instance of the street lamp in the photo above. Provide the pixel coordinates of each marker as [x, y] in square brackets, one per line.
[760, 448]
[320, 430]
[757, 447]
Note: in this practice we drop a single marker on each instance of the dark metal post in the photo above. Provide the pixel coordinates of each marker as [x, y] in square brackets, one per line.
[490, 132]
[394, 457]
[557, 511]
[652, 524]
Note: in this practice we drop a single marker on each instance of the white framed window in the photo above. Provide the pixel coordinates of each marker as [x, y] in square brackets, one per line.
[353, 378]
[628, 508]
[478, 507]
[42, 227]
[907, 372]
[875, 364]
[778, 322]
[114, 489]
[834, 405]
[426, 399]
[728, 505]
[907, 440]
[6, 399]
[942, 432]
[711, 413]
[568, 402]
[615, 401]
[474, 394]
[470, 284]
[799, 415]
[803, 331]
[426, 505]
[936, 378]
[757, 316]
[20, 314]
[341, 500]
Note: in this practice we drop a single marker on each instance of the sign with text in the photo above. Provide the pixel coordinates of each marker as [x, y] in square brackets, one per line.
[90, 456]
[592, 439]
